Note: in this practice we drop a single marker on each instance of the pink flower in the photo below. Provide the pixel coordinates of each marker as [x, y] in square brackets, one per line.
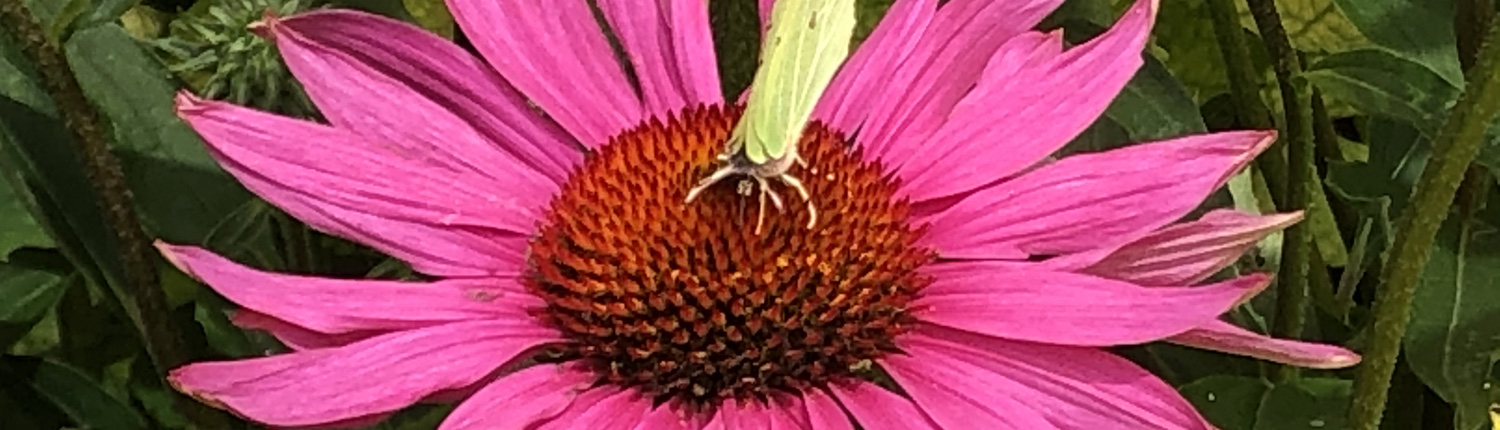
[951, 281]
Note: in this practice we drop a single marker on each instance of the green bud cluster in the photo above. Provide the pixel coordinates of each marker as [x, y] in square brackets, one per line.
[212, 49]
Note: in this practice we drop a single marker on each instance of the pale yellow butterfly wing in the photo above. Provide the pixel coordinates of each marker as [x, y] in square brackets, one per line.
[807, 42]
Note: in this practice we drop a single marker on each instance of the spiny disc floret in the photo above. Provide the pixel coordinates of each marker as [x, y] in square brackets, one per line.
[686, 301]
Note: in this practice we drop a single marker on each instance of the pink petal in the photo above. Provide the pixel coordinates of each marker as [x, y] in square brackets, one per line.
[670, 44]
[399, 85]
[520, 400]
[352, 423]
[1224, 337]
[335, 306]
[1031, 99]
[602, 408]
[1074, 309]
[294, 336]
[556, 54]
[380, 374]
[846, 103]
[877, 409]
[1094, 200]
[735, 414]
[1189, 252]
[968, 381]
[443, 222]
[667, 416]
[947, 61]
[823, 412]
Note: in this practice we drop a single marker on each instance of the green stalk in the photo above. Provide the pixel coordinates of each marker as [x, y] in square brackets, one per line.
[141, 295]
[1244, 90]
[1291, 297]
[1455, 147]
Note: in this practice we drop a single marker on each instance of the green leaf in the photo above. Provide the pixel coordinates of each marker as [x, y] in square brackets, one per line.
[1451, 343]
[18, 79]
[31, 285]
[181, 191]
[1185, 34]
[736, 32]
[1380, 83]
[248, 235]
[42, 156]
[1229, 402]
[105, 11]
[212, 313]
[1421, 31]
[432, 15]
[1155, 106]
[1305, 404]
[870, 12]
[74, 392]
[1314, 26]
[57, 31]
[1398, 152]
[1325, 229]
[17, 228]
[24, 411]
[390, 8]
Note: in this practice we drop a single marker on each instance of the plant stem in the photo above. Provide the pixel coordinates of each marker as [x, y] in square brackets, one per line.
[141, 295]
[1455, 147]
[1244, 90]
[1291, 297]
[1471, 19]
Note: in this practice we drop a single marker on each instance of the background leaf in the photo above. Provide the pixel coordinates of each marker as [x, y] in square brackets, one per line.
[17, 228]
[432, 15]
[1421, 31]
[1380, 83]
[1154, 106]
[1305, 404]
[73, 392]
[1229, 402]
[1452, 341]
[181, 192]
[30, 285]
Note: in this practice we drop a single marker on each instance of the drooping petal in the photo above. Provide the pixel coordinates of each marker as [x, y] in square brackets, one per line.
[1092, 201]
[1189, 252]
[1031, 99]
[380, 374]
[296, 337]
[672, 48]
[396, 84]
[946, 62]
[874, 408]
[823, 413]
[1074, 309]
[520, 400]
[602, 408]
[440, 221]
[846, 103]
[556, 54]
[1225, 337]
[968, 381]
[335, 306]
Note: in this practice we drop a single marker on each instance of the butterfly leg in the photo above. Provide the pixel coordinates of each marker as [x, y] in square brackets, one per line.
[812, 210]
[766, 191]
[704, 183]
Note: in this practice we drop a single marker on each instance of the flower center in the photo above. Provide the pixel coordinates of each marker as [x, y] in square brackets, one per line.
[685, 300]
